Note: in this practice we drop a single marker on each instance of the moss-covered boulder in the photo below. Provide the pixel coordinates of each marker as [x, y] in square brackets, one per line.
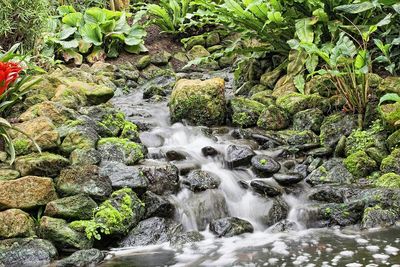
[120, 150]
[55, 111]
[26, 192]
[213, 39]
[9, 174]
[264, 97]
[389, 180]
[296, 102]
[273, 118]
[360, 164]
[335, 126]
[321, 84]
[115, 216]
[85, 157]
[160, 58]
[198, 102]
[16, 223]
[245, 112]
[293, 137]
[192, 41]
[79, 207]
[72, 96]
[84, 179]
[309, 119]
[390, 113]
[79, 137]
[270, 78]
[390, 85]
[378, 217]
[392, 162]
[365, 139]
[40, 129]
[284, 86]
[63, 236]
[332, 171]
[41, 164]
[393, 141]
[197, 51]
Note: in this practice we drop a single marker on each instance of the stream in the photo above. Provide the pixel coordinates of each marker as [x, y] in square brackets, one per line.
[298, 245]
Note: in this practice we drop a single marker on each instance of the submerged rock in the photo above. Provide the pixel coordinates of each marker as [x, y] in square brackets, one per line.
[198, 102]
[75, 207]
[279, 211]
[199, 180]
[238, 156]
[16, 223]
[26, 252]
[82, 258]
[283, 226]
[26, 192]
[178, 241]
[152, 231]
[230, 226]
[209, 151]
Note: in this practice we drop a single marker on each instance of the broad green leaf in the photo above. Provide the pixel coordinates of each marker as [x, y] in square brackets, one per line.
[73, 19]
[390, 97]
[64, 10]
[299, 82]
[321, 14]
[304, 30]
[69, 44]
[112, 49]
[312, 63]
[355, 8]
[108, 26]
[84, 46]
[95, 15]
[70, 54]
[275, 17]
[67, 32]
[91, 33]
[122, 25]
[361, 59]
[297, 59]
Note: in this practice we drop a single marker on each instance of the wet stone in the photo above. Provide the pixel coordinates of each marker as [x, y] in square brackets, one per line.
[279, 211]
[82, 258]
[151, 140]
[178, 241]
[163, 179]
[157, 206]
[209, 151]
[199, 180]
[288, 179]
[239, 156]
[173, 155]
[264, 166]
[283, 226]
[230, 226]
[266, 187]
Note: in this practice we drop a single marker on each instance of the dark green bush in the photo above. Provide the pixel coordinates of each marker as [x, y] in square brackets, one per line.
[22, 21]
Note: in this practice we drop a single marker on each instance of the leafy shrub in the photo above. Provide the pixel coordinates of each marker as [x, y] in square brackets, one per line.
[22, 21]
[97, 34]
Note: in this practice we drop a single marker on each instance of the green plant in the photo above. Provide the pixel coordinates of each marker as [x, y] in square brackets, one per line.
[22, 21]
[390, 97]
[97, 34]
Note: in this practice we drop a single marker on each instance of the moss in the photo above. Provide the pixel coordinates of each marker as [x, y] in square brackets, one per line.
[359, 164]
[393, 140]
[392, 162]
[131, 149]
[74, 123]
[327, 212]
[390, 180]
[263, 161]
[22, 146]
[273, 118]
[361, 140]
[295, 102]
[390, 113]
[130, 131]
[113, 123]
[245, 111]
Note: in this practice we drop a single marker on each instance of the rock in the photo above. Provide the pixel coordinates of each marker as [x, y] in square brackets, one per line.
[63, 237]
[284, 86]
[71, 95]
[392, 162]
[197, 51]
[192, 41]
[160, 58]
[288, 179]
[187, 166]
[173, 155]
[377, 217]
[56, 112]
[85, 179]
[342, 214]
[212, 39]
[82, 258]
[41, 164]
[157, 206]
[152, 231]
[8, 174]
[264, 97]
[309, 119]
[177, 241]
[71, 208]
[151, 140]
[270, 78]
[124, 176]
[230, 226]
[359, 164]
[393, 140]
[329, 194]
[331, 172]
[199, 180]
[390, 113]
[98, 94]
[16, 223]
[115, 216]
[40, 129]
[389, 180]
[245, 112]
[163, 179]
[152, 91]
[335, 126]
[209, 151]
[301, 139]
[26, 192]
[266, 187]
[79, 137]
[198, 102]
[245, 88]
[321, 84]
[273, 118]
[296, 102]
[206, 206]
[238, 156]
[26, 252]
[264, 166]
[284, 227]
[278, 212]
[85, 157]
[143, 62]
[390, 85]
[120, 150]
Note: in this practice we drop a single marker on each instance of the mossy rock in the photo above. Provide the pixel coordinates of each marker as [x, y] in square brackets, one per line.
[71, 96]
[197, 51]
[264, 97]
[378, 217]
[273, 118]
[213, 39]
[360, 164]
[309, 119]
[198, 102]
[115, 216]
[56, 112]
[80, 137]
[389, 180]
[245, 112]
[143, 62]
[293, 137]
[390, 113]
[79, 207]
[41, 164]
[270, 78]
[120, 150]
[9, 174]
[321, 84]
[284, 86]
[296, 102]
[390, 85]
[364, 139]
[16, 223]
[393, 141]
[192, 41]
[335, 126]
[392, 162]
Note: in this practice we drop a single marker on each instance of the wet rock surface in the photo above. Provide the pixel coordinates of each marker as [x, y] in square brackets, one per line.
[230, 226]
[199, 180]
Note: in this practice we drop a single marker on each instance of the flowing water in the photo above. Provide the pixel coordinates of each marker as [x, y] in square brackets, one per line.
[301, 247]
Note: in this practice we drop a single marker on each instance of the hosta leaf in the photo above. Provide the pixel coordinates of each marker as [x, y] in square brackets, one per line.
[122, 25]
[91, 33]
[112, 49]
[97, 54]
[84, 46]
[132, 41]
[73, 19]
[70, 54]
[68, 44]
[135, 49]
[108, 26]
[64, 10]
[355, 8]
[66, 32]
[390, 97]
[95, 15]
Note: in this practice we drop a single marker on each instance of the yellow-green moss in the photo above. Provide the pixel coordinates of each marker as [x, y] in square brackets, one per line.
[360, 164]
[390, 180]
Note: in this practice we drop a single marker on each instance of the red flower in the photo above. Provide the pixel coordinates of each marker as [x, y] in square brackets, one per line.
[9, 73]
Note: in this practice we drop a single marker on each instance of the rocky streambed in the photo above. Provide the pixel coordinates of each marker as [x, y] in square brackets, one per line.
[138, 168]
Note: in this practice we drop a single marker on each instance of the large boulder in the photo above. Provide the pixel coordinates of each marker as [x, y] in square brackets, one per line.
[198, 102]
[75, 207]
[84, 179]
[335, 126]
[82, 258]
[377, 217]
[16, 223]
[163, 179]
[296, 102]
[63, 236]
[120, 150]
[245, 112]
[26, 252]
[56, 112]
[41, 164]
[331, 172]
[26, 192]
[79, 137]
